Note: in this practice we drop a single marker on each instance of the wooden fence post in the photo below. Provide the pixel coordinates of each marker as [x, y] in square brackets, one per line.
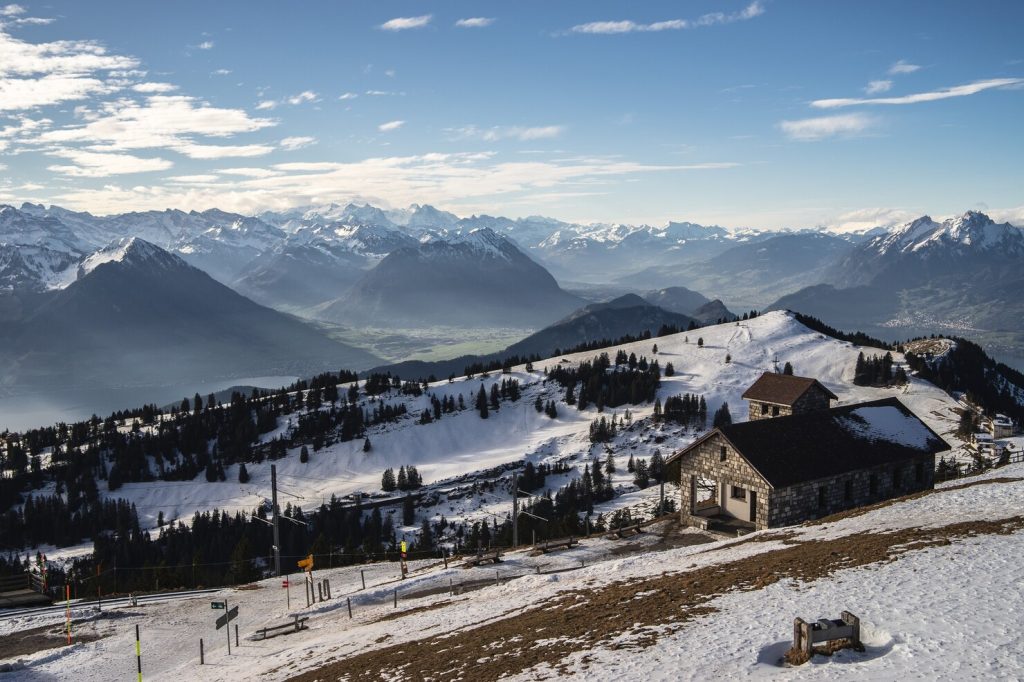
[349, 600]
[202, 660]
[362, 574]
[396, 598]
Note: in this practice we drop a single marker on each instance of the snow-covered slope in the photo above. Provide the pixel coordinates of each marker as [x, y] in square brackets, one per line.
[462, 442]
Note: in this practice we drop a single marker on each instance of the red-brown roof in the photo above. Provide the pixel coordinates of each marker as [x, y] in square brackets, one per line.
[783, 389]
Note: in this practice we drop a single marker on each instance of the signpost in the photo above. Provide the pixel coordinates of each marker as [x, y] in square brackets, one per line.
[307, 565]
[405, 568]
[229, 615]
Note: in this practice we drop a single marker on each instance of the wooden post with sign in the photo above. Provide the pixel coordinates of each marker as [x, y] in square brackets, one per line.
[307, 565]
[405, 567]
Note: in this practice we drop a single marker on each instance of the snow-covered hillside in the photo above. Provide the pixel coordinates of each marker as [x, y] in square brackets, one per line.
[935, 579]
[462, 442]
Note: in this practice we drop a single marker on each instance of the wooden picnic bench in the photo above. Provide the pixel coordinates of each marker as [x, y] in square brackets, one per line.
[548, 546]
[482, 558]
[286, 629]
[619, 533]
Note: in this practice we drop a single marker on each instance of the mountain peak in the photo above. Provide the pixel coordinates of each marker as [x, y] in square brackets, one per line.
[133, 252]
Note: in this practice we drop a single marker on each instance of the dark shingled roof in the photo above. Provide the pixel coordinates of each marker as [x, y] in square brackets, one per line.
[814, 445]
[782, 389]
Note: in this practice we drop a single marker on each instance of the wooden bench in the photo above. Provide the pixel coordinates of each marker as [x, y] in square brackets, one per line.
[619, 533]
[485, 557]
[546, 547]
[286, 629]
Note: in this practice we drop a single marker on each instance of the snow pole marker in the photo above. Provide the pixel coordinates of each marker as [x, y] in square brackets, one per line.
[138, 651]
[67, 609]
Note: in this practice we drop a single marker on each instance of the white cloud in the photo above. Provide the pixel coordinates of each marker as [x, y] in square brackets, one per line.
[221, 151]
[266, 104]
[205, 45]
[221, 72]
[11, 10]
[875, 87]
[438, 178]
[383, 93]
[98, 165]
[40, 74]
[293, 143]
[347, 95]
[944, 93]
[752, 10]
[474, 22]
[390, 73]
[167, 122]
[303, 97]
[250, 172]
[30, 93]
[867, 218]
[810, 129]
[522, 133]
[199, 178]
[903, 67]
[154, 88]
[405, 23]
[390, 125]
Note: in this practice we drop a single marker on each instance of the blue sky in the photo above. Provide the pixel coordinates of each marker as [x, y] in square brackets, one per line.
[763, 114]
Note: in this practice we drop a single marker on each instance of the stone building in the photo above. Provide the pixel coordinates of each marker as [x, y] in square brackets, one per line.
[775, 472]
[778, 395]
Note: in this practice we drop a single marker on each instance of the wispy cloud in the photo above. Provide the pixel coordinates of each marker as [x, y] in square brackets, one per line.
[436, 177]
[303, 97]
[11, 10]
[902, 67]
[347, 95]
[819, 128]
[474, 22]
[875, 87]
[99, 165]
[170, 122]
[40, 74]
[205, 45]
[154, 88]
[523, 133]
[390, 125]
[221, 72]
[293, 143]
[752, 10]
[405, 23]
[934, 95]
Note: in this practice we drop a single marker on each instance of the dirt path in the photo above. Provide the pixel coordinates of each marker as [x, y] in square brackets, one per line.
[551, 631]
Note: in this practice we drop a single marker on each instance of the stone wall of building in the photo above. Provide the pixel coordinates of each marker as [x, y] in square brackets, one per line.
[812, 400]
[705, 460]
[802, 502]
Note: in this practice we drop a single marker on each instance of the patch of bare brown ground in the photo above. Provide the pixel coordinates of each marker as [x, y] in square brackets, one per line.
[43, 638]
[548, 633]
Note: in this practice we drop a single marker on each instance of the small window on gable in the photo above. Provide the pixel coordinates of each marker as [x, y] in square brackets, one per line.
[721, 453]
[775, 410]
[764, 408]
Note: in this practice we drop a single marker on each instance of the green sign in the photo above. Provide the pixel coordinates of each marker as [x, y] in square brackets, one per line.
[217, 605]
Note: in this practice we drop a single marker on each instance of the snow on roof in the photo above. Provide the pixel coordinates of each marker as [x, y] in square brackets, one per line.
[887, 423]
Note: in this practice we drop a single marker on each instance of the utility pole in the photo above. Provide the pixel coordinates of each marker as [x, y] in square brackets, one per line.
[277, 534]
[515, 510]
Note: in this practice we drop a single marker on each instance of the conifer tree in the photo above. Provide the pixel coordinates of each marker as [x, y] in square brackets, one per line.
[481, 402]
[304, 454]
[243, 474]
